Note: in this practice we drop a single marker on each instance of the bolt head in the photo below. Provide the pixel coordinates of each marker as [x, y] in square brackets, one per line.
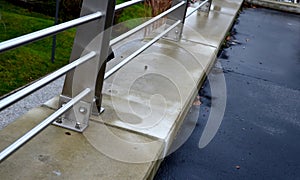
[82, 110]
[77, 125]
[59, 120]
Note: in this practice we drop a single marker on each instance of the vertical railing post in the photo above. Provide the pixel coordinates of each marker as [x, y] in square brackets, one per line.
[173, 17]
[93, 36]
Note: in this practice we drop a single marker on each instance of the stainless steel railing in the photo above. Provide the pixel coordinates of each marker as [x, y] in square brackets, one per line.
[139, 51]
[33, 132]
[43, 82]
[197, 8]
[147, 23]
[173, 13]
[19, 41]
[127, 4]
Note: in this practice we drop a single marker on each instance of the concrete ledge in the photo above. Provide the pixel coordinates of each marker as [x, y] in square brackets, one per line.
[282, 6]
[57, 153]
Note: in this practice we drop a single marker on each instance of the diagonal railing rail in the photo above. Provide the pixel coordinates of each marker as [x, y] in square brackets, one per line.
[97, 15]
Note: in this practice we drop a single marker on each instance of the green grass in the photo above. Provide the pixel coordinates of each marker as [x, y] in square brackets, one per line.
[25, 64]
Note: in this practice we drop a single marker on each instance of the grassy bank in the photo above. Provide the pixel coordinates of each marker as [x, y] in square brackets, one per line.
[25, 64]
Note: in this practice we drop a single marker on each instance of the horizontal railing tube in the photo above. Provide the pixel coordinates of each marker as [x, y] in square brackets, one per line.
[127, 4]
[140, 27]
[30, 134]
[139, 51]
[28, 38]
[4, 103]
[196, 8]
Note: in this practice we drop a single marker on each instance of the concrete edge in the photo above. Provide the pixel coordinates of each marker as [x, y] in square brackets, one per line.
[281, 6]
[176, 129]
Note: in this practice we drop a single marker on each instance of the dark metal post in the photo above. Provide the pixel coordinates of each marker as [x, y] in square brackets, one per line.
[54, 37]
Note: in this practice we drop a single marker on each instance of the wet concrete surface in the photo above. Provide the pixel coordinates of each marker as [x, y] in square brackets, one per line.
[260, 132]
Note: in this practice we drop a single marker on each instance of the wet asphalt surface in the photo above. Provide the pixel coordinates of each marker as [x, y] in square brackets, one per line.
[259, 137]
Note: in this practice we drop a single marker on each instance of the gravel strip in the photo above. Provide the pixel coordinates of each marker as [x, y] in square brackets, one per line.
[36, 99]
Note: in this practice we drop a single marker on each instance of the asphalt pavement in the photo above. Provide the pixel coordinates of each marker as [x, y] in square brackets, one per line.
[260, 132]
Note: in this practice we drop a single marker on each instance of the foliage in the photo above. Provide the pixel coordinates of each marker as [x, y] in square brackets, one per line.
[46, 7]
[69, 9]
[28, 63]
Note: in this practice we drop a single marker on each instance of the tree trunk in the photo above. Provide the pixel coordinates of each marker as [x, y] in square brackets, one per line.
[158, 6]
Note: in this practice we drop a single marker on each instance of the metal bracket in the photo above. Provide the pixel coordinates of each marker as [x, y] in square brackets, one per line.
[77, 118]
[178, 14]
[174, 34]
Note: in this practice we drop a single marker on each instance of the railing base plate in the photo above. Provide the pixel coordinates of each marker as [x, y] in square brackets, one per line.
[77, 118]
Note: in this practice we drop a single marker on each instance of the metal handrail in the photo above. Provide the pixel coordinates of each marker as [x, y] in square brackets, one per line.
[139, 51]
[28, 38]
[127, 4]
[196, 8]
[138, 28]
[30, 134]
[44, 81]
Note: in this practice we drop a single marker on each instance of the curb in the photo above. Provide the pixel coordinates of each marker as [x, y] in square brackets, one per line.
[282, 6]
